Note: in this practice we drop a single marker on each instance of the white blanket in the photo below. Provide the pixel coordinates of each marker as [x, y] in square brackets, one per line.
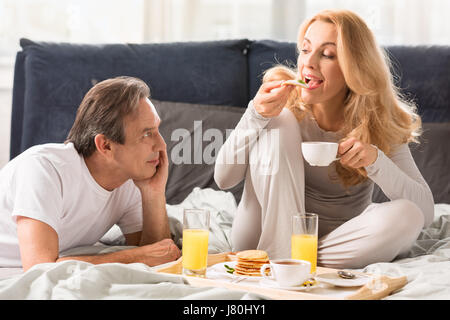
[81, 280]
[427, 265]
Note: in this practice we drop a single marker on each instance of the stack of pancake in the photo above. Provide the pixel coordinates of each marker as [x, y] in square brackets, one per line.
[249, 262]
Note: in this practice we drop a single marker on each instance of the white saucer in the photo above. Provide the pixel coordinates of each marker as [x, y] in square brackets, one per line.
[274, 285]
[334, 279]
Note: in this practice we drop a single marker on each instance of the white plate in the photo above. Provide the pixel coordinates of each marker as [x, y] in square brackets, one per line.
[220, 270]
[274, 285]
[334, 279]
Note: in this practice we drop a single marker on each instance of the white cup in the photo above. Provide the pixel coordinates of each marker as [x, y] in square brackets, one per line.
[320, 153]
[288, 272]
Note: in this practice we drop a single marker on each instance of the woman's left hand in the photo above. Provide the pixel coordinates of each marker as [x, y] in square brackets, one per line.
[357, 154]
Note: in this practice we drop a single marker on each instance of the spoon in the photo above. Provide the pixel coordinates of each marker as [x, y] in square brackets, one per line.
[345, 274]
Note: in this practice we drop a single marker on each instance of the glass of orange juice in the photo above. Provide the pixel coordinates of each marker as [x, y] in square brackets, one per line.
[304, 238]
[195, 242]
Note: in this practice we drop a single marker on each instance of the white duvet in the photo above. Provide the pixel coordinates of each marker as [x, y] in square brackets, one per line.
[427, 265]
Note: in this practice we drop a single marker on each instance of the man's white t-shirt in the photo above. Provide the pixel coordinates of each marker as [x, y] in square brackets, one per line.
[52, 183]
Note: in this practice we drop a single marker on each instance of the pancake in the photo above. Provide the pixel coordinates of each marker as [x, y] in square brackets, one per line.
[247, 274]
[252, 255]
[299, 83]
[249, 262]
[241, 269]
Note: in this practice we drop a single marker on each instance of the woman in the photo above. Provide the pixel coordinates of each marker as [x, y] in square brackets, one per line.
[351, 100]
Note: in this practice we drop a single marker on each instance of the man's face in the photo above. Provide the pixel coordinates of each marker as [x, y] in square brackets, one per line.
[138, 157]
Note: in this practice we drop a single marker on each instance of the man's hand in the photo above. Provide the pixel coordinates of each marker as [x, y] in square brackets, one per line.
[157, 183]
[357, 154]
[152, 255]
[155, 225]
[159, 252]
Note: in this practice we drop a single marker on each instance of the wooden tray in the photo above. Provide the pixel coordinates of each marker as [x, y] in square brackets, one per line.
[377, 288]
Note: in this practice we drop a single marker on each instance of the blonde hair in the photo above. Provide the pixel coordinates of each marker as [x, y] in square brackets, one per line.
[374, 111]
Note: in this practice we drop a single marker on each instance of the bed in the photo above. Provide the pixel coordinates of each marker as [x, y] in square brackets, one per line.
[427, 264]
[50, 79]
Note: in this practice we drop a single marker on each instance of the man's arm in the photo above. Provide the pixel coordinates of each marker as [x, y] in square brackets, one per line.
[155, 224]
[39, 244]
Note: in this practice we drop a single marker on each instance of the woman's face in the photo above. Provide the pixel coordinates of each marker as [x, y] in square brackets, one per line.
[319, 67]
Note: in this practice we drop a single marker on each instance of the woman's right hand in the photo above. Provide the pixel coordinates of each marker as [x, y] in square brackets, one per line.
[271, 98]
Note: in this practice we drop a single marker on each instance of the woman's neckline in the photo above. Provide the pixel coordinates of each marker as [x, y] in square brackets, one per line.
[314, 120]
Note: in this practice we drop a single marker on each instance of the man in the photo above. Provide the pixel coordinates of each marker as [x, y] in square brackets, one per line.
[112, 169]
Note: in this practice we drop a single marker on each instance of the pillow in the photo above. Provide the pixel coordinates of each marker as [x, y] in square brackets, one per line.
[265, 54]
[194, 134]
[432, 157]
[56, 76]
[431, 92]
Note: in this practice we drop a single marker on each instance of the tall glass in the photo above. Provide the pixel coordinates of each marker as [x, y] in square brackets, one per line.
[304, 238]
[195, 242]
